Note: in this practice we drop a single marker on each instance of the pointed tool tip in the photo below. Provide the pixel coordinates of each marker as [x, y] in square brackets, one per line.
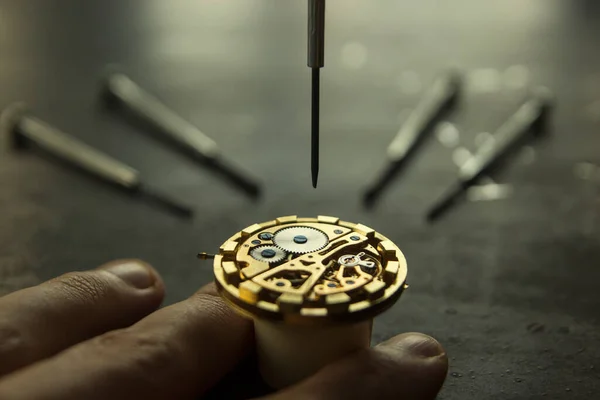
[314, 180]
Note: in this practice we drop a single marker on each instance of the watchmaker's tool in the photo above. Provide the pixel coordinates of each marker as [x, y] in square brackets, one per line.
[18, 129]
[434, 104]
[522, 126]
[316, 61]
[176, 130]
[312, 286]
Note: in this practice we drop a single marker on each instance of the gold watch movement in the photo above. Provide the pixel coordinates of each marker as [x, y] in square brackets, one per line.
[310, 271]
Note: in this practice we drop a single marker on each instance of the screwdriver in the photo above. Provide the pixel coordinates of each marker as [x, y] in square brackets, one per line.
[529, 120]
[433, 105]
[18, 128]
[176, 130]
[316, 60]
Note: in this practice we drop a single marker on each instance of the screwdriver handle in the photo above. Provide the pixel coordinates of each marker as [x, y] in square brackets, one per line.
[443, 92]
[170, 124]
[516, 129]
[316, 33]
[17, 128]
[77, 153]
[519, 128]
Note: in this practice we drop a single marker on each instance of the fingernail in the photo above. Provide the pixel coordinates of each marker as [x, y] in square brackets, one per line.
[422, 345]
[134, 273]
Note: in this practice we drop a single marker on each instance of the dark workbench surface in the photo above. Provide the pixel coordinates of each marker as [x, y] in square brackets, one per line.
[509, 286]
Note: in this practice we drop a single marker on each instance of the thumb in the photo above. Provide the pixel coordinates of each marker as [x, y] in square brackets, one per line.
[411, 366]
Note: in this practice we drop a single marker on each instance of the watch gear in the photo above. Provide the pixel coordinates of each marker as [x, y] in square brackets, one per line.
[268, 253]
[300, 239]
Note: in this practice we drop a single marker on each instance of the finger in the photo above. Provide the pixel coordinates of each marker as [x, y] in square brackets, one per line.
[43, 320]
[408, 366]
[177, 352]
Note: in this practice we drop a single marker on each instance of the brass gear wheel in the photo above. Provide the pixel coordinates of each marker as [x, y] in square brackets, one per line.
[300, 239]
[268, 253]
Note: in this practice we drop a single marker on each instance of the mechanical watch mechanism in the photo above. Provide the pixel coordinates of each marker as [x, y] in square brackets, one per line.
[310, 270]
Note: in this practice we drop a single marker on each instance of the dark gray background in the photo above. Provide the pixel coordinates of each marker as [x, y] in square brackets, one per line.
[509, 286]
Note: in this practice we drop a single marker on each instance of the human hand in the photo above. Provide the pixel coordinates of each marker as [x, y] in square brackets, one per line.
[96, 335]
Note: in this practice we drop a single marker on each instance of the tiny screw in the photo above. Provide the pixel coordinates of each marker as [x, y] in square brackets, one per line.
[300, 239]
[354, 238]
[338, 231]
[268, 253]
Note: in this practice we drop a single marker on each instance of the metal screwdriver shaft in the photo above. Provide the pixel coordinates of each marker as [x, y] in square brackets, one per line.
[316, 59]
[314, 128]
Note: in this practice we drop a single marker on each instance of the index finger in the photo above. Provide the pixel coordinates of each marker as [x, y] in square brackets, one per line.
[177, 352]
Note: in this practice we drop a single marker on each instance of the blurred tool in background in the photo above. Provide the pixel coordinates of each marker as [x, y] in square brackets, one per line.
[178, 132]
[434, 104]
[18, 129]
[316, 60]
[529, 121]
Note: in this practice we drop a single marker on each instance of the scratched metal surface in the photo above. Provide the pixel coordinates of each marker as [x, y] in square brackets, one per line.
[508, 286]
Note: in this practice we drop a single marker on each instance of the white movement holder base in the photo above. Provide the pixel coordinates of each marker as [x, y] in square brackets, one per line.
[289, 353]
